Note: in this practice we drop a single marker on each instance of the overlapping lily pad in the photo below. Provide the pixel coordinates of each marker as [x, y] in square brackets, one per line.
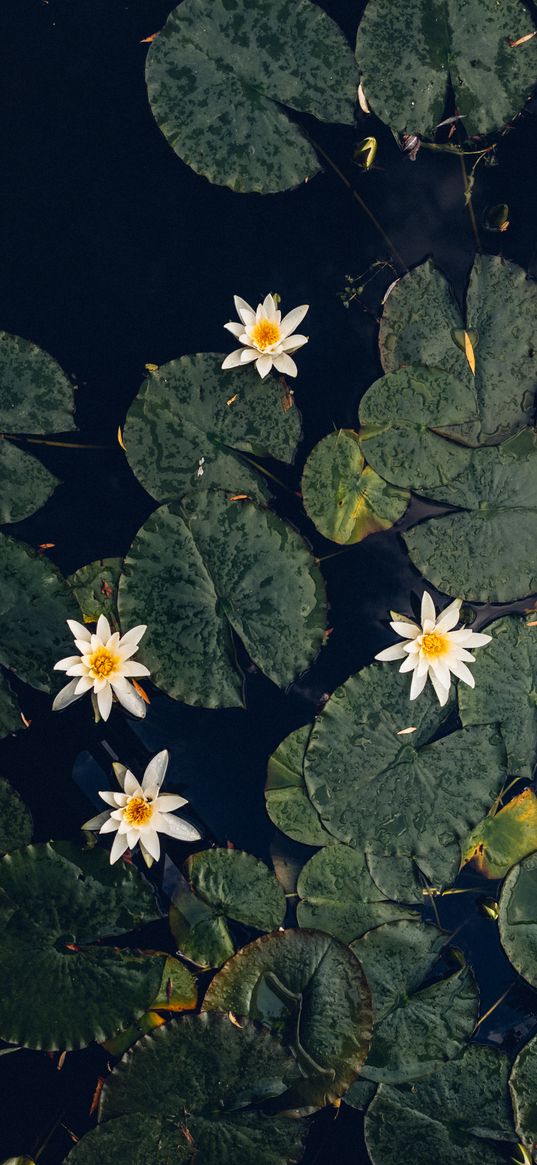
[193, 1091]
[61, 989]
[343, 496]
[95, 589]
[286, 796]
[221, 74]
[419, 1021]
[202, 573]
[456, 1116]
[177, 992]
[338, 895]
[506, 691]
[504, 838]
[224, 884]
[15, 820]
[523, 1086]
[311, 990]
[408, 801]
[422, 324]
[190, 422]
[36, 397]
[517, 919]
[411, 55]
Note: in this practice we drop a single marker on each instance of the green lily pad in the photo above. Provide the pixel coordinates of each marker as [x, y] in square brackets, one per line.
[35, 602]
[517, 920]
[61, 989]
[408, 798]
[454, 1116]
[10, 717]
[286, 796]
[338, 895]
[311, 990]
[199, 574]
[343, 496]
[15, 820]
[193, 1091]
[360, 1094]
[506, 691]
[190, 422]
[221, 74]
[95, 588]
[411, 54]
[418, 1023]
[421, 324]
[486, 552]
[405, 422]
[177, 992]
[224, 884]
[502, 840]
[25, 484]
[523, 1087]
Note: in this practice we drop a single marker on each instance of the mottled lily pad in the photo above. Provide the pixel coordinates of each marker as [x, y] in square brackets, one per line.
[523, 1086]
[95, 589]
[517, 920]
[15, 820]
[503, 839]
[189, 424]
[338, 895]
[35, 602]
[286, 796]
[343, 496]
[221, 74]
[201, 574]
[411, 54]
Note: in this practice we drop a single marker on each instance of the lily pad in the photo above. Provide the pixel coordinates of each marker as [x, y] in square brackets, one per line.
[193, 1091]
[225, 884]
[486, 552]
[177, 992]
[405, 423]
[502, 840]
[454, 1116]
[412, 54]
[343, 496]
[421, 324]
[190, 422]
[95, 588]
[35, 602]
[221, 74]
[25, 484]
[198, 575]
[286, 796]
[404, 797]
[506, 691]
[61, 989]
[15, 820]
[523, 1086]
[418, 1022]
[517, 920]
[338, 895]
[311, 990]
[10, 717]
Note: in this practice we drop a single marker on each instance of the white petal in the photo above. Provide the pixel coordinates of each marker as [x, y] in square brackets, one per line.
[104, 701]
[243, 309]
[249, 354]
[120, 772]
[109, 826]
[235, 329]
[462, 672]
[133, 837]
[156, 770]
[441, 692]
[409, 663]
[293, 343]
[103, 629]
[259, 313]
[83, 647]
[168, 802]
[428, 610]
[132, 701]
[132, 786]
[449, 617]
[67, 696]
[264, 365]
[477, 639]
[413, 647]
[78, 630]
[461, 636]
[133, 636]
[234, 359]
[151, 843]
[176, 827]
[96, 822]
[285, 365]
[293, 319]
[77, 669]
[461, 653]
[440, 669]
[69, 661]
[108, 797]
[397, 651]
[100, 683]
[119, 846]
[405, 630]
[417, 685]
[134, 669]
[269, 307]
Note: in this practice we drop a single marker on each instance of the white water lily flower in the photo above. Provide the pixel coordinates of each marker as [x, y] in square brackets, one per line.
[140, 812]
[103, 667]
[266, 337]
[435, 650]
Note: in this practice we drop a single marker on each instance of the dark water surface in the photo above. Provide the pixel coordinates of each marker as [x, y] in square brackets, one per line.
[113, 254]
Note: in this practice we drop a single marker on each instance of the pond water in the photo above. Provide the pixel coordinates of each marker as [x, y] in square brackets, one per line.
[116, 254]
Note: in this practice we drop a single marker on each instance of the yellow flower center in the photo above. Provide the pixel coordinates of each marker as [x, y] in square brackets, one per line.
[102, 663]
[138, 811]
[434, 644]
[265, 333]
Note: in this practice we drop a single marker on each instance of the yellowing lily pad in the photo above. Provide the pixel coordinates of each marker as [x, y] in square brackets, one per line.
[343, 496]
[503, 839]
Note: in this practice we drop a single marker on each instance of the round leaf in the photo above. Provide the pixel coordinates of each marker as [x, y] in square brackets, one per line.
[15, 820]
[34, 605]
[177, 992]
[220, 75]
[95, 589]
[523, 1086]
[198, 575]
[345, 498]
[60, 989]
[190, 421]
[503, 839]
[10, 717]
[35, 394]
[338, 895]
[311, 990]
[25, 484]
[409, 53]
[287, 801]
[517, 920]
